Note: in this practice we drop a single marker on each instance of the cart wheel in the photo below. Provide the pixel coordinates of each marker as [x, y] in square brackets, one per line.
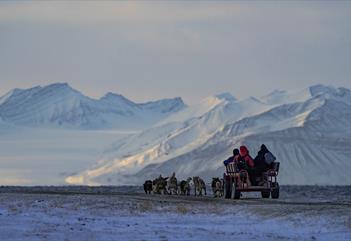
[228, 184]
[265, 194]
[275, 191]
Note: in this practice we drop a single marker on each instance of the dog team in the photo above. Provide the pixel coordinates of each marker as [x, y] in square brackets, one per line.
[171, 186]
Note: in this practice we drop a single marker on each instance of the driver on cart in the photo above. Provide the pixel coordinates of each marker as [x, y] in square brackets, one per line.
[232, 158]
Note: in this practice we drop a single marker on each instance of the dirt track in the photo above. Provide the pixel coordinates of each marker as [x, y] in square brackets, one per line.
[135, 195]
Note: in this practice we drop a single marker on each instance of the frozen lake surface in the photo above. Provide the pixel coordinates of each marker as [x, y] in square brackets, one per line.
[125, 213]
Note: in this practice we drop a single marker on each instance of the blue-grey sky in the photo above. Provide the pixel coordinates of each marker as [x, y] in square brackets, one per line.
[153, 49]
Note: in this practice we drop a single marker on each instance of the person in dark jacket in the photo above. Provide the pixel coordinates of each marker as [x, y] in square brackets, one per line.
[261, 164]
[231, 159]
[259, 160]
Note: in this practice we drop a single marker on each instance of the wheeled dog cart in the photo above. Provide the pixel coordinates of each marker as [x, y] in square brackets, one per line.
[235, 182]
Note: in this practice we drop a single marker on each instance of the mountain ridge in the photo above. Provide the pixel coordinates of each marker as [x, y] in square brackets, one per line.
[301, 133]
[59, 105]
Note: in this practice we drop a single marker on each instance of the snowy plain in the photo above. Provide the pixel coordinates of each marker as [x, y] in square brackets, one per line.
[98, 214]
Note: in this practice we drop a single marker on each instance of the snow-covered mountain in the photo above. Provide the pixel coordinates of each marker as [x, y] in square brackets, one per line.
[308, 130]
[59, 105]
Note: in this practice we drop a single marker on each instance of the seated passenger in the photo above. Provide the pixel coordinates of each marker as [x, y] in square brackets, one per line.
[245, 155]
[244, 162]
[264, 159]
[231, 159]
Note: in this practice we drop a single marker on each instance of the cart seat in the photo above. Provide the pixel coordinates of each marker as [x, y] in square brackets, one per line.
[230, 168]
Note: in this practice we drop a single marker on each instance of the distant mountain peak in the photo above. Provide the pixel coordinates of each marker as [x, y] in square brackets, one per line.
[321, 89]
[331, 93]
[278, 97]
[58, 85]
[165, 105]
[111, 94]
[226, 96]
[17, 90]
[61, 86]
[116, 97]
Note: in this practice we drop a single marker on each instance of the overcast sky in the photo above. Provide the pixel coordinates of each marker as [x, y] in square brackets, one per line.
[151, 50]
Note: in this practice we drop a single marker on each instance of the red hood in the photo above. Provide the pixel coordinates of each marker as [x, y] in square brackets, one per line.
[244, 151]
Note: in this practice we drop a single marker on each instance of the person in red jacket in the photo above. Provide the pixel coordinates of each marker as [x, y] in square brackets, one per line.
[244, 153]
[245, 162]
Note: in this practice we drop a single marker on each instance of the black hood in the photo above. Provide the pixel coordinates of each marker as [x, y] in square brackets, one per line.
[264, 148]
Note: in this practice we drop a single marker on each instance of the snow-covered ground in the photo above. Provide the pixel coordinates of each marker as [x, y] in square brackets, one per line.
[48, 156]
[136, 216]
